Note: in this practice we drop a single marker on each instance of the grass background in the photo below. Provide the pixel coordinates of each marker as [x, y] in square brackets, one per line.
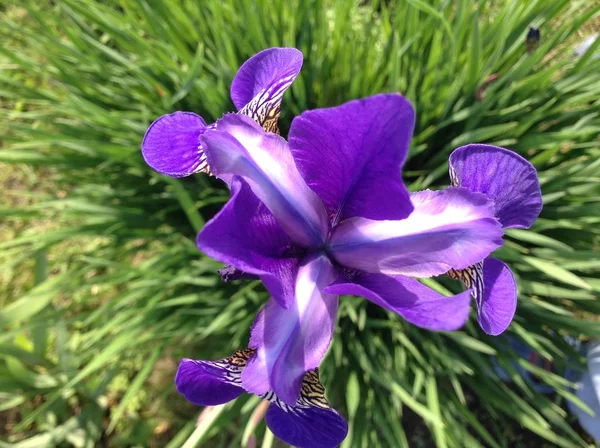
[102, 289]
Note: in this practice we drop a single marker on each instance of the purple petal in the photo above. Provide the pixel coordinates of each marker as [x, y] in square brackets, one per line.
[352, 156]
[239, 147]
[208, 383]
[291, 341]
[451, 228]
[257, 89]
[171, 145]
[415, 302]
[246, 235]
[307, 427]
[503, 176]
[499, 302]
[310, 422]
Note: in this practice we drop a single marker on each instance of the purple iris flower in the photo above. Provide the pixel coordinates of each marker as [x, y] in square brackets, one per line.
[511, 183]
[323, 215]
[171, 145]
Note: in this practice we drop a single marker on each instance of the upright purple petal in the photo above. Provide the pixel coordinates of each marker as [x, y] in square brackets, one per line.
[290, 342]
[451, 228]
[257, 89]
[415, 302]
[246, 235]
[239, 147]
[499, 302]
[352, 156]
[171, 145]
[505, 177]
[208, 383]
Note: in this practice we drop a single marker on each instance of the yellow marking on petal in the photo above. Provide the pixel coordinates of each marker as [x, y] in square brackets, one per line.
[471, 277]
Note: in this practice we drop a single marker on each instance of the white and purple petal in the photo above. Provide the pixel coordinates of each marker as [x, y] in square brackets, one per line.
[240, 147]
[449, 229]
[171, 145]
[290, 342]
[258, 87]
[246, 235]
[509, 180]
[415, 302]
[352, 156]
[209, 383]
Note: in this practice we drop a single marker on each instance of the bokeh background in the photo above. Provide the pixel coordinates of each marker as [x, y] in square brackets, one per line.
[102, 289]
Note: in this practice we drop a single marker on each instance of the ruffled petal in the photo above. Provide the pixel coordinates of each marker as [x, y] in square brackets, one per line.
[415, 302]
[239, 147]
[246, 235]
[352, 156]
[290, 342]
[257, 89]
[449, 229]
[171, 145]
[311, 422]
[505, 177]
[208, 383]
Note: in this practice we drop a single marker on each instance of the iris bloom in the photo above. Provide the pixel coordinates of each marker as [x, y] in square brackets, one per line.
[323, 215]
[328, 214]
[511, 183]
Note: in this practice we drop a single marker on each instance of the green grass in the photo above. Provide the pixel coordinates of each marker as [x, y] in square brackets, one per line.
[115, 291]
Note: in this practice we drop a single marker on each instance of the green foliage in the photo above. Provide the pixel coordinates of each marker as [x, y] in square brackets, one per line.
[121, 290]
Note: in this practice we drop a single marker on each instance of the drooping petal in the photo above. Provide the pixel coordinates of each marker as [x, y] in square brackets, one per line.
[352, 156]
[451, 228]
[208, 383]
[239, 147]
[246, 235]
[499, 302]
[308, 428]
[311, 422]
[290, 342]
[415, 302]
[502, 175]
[257, 89]
[171, 145]
[494, 289]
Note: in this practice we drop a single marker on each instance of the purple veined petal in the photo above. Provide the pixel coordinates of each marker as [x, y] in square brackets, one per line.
[246, 235]
[257, 89]
[239, 147]
[290, 342]
[449, 229]
[415, 302]
[499, 302]
[311, 422]
[502, 175]
[308, 428]
[494, 289]
[208, 383]
[352, 156]
[171, 145]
